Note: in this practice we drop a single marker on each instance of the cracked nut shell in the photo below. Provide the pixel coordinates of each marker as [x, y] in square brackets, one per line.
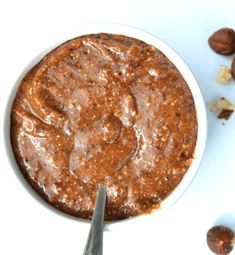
[223, 41]
[220, 240]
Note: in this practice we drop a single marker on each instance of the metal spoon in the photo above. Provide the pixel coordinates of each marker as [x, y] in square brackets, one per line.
[94, 245]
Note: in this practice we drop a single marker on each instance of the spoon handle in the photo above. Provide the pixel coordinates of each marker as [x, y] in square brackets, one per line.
[94, 245]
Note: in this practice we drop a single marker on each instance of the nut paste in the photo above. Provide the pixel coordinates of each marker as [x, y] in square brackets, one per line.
[104, 109]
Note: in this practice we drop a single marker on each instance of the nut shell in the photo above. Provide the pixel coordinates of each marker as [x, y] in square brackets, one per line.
[219, 240]
[233, 68]
[223, 41]
[225, 114]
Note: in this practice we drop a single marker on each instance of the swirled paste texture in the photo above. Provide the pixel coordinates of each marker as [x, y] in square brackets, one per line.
[104, 109]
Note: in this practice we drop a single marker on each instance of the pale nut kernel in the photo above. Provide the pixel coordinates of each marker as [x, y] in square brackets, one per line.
[221, 104]
[224, 75]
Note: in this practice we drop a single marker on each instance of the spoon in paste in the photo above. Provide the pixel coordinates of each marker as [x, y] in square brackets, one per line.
[94, 245]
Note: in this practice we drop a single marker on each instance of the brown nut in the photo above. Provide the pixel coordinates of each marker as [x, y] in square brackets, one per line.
[223, 41]
[233, 68]
[220, 240]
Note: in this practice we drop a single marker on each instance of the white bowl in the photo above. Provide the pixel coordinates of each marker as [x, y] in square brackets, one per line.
[184, 70]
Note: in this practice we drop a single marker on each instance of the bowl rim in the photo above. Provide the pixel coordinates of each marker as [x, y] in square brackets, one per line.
[187, 74]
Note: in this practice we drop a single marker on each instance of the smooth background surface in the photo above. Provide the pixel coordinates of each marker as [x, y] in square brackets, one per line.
[29, 27]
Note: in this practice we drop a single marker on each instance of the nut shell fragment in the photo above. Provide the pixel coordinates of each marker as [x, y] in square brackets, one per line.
[233, 68]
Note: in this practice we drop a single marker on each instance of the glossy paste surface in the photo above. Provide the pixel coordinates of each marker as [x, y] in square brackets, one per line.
[104, 109]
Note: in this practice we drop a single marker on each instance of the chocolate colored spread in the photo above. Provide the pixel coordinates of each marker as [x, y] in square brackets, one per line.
[104, 109]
